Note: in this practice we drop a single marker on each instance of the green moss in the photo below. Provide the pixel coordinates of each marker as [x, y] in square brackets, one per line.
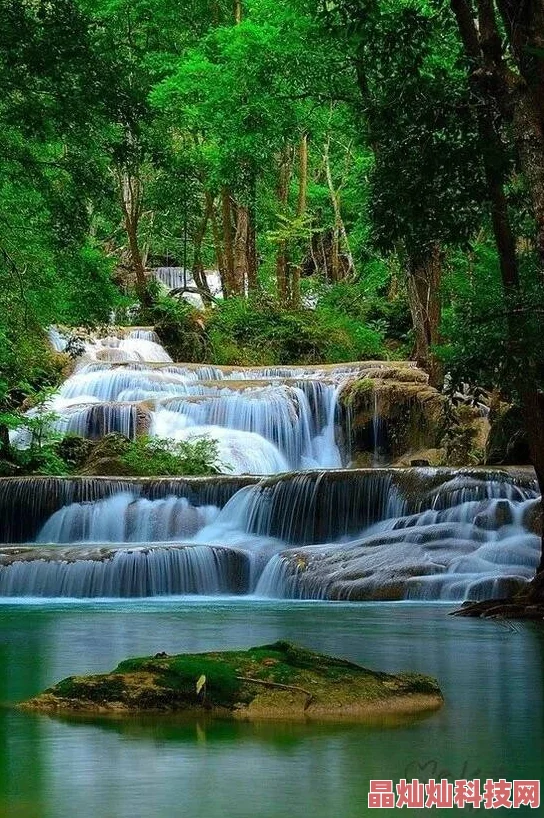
[107, 687]
[279, 678]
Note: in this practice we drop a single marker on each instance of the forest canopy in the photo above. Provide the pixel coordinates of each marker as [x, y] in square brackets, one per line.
[365, 177]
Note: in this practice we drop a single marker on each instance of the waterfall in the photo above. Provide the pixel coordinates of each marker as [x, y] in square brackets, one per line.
[136, 572]
[358, 534]
[287, 519]
[26, 503]
[265, 420]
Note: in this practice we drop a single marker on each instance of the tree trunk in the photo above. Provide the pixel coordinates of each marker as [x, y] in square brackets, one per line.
[486, 101]
[240, 250]
[530, 145]
[302, 175]
[199, 274]
[219, 257]
[281, 256]
[252, 278]
[339, 226]
[301, 210]
[423, 284]
[130, 196]
[226, 209]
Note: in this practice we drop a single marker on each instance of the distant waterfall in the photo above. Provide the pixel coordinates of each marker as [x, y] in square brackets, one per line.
[266, 420]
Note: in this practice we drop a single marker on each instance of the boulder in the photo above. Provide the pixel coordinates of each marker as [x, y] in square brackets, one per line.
[105, 457]
[393, 414]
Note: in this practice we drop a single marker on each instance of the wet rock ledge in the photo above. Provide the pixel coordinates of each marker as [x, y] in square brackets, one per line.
[526, 604]
[277, 681]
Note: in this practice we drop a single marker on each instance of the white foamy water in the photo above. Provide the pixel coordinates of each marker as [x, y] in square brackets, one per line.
[315, 535]
[127, 383]
[327, 534]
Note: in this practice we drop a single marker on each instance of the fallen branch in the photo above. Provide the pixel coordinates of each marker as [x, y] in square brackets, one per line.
[277, 684]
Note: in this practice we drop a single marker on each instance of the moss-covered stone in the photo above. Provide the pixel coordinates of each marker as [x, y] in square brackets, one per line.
[105, 457]
[393, 414]
[280, 681]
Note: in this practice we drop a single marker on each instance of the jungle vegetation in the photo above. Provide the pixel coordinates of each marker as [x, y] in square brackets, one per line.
[366, 177]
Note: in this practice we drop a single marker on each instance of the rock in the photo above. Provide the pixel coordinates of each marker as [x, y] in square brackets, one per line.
[277, 681]
[495, 516]
[466, 436]
[393, 414]
[105, 457]
[532, 517]
[507, 443]
[9, 469]
[74, 450]
[527, 603]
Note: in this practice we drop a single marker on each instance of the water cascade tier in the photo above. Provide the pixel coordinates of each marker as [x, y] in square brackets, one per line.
[265, 420]
[325, 534]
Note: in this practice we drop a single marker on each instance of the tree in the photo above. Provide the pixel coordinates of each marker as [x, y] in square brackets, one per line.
[51, 268]
[507, 94]
[426, 181]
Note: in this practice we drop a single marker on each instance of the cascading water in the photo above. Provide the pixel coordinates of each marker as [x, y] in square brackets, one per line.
[320, 532]
[265, 420]
[362, 534]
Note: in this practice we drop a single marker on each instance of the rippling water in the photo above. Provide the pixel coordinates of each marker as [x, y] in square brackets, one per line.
[491, 725]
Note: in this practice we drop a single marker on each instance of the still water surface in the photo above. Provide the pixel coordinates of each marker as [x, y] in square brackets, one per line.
[492, 725]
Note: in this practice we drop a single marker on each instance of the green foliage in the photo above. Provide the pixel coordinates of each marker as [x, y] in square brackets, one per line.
[259, 331]
[153, 457]
[37, 453]
[475, 321]
[51, 268]
[369, 302]
[180, 328]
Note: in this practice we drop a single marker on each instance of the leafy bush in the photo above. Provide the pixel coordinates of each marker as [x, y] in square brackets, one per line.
[153, 456]
[388, 315]
[258, 331]
[179, 326]
[38, 454]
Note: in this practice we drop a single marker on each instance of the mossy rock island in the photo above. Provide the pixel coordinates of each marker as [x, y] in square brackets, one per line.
[277, 681]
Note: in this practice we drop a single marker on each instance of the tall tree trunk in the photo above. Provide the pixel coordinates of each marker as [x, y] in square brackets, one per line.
[219, 257]
[240, 250]
[524, 24]
[335, 255]
[281, 256]
[339, 226]
[130, 197]
[529, 139]
[226, 209]
[423, 284]
[302, 175]
[252, 277]
[485, 62]
[199, 274]
[301, 210]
